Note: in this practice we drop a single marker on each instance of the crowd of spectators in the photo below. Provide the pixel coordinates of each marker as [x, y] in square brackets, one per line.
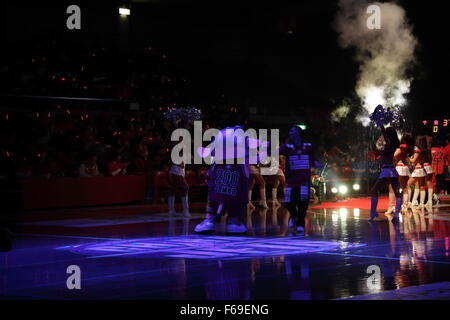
[122, 132]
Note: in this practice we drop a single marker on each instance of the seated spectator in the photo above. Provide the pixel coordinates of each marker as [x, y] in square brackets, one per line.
[48, 168]
[116, 167]
[142, 149]
[88, 168]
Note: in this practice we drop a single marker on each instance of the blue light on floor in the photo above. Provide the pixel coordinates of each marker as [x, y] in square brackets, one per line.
[214, 247]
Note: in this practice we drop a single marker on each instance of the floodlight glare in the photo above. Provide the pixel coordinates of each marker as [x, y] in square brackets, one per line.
[343, 189]
[124, 11]
[334, 190]
[356, 187]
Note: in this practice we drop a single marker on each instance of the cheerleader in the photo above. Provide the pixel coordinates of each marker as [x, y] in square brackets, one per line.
[388, 174]
[419, 174]
[401, 165]
[177, 179]
[257, 178]
[275, 177]
[178, 183]
[429, 171]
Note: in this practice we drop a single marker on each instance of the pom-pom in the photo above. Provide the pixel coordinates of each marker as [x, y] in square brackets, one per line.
[397, 120]
[381, 116]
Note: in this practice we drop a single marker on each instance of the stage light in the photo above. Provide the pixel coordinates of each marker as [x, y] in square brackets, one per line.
[334, 190]
[124, 11]
[343, 189]
[302, 126]
[356, 187]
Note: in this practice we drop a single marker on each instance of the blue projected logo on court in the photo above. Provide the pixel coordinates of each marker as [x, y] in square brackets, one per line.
[213, 247]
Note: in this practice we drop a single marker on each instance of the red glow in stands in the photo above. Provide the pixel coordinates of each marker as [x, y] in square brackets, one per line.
[201, 177]
[347, 170]
[191, 178]
[66, 192]
[161, 186]
[161, 179]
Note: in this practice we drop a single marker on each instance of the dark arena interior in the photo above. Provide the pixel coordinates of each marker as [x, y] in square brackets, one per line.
[208, 151]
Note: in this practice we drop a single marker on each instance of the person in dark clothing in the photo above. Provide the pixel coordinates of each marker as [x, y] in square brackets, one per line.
[299, 161]
[388, 175]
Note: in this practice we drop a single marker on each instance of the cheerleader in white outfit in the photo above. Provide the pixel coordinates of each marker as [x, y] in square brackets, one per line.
[257, 178]
[274, 175]
[419, 174]
[429, 171]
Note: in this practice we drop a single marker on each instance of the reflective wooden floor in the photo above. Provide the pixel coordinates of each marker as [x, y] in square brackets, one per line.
[157, 257]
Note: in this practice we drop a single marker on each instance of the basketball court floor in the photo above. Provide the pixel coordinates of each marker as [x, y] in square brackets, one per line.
[153, 256]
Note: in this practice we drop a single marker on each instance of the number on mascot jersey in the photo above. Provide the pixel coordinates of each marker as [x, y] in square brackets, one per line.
[227, 178]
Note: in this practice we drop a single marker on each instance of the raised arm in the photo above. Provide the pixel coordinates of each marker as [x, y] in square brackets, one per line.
[386, 138]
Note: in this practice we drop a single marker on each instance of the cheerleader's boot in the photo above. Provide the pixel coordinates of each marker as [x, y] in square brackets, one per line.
[398, 206]
[373, 209]
[171, 204]
[185, 204]
[409, 202]
[414, 202]
[429, 203]
[391, 206]
[263, 202]
[250, 205]
[405, 202]
[422, 199]
[275, 197]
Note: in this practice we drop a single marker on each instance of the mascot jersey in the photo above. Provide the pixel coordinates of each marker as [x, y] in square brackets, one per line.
[228, 183]
[298, 163]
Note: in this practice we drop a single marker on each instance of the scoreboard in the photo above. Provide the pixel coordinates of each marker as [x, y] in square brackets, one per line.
[437, 125]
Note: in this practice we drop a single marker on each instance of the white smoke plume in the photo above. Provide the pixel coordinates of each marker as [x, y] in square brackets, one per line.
[339, 113]
[384, 55]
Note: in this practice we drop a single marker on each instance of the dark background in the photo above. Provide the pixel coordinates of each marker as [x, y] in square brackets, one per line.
[278, 56]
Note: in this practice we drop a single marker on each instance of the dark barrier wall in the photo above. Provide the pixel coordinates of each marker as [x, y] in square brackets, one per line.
[41, 193]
